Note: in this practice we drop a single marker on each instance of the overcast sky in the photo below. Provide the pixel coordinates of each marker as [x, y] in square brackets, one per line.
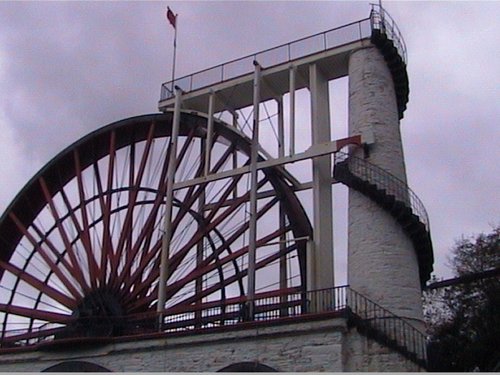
[67, 68]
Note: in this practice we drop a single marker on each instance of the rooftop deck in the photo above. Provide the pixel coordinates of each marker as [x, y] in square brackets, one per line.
[329, 50]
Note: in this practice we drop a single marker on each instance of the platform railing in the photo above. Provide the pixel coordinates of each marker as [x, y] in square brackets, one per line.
[288, 52]
[379, 19]
[293, 305]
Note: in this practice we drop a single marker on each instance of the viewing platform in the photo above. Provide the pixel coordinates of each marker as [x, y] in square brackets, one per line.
[329, 50]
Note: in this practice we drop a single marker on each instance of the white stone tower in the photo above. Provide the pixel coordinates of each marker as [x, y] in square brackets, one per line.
[382, 262]
[389, 251]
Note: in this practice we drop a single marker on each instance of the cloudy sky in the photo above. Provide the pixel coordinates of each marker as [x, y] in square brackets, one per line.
[67, 68]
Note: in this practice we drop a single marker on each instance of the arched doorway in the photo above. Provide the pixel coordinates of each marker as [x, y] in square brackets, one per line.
[247, 367]
[76, 366]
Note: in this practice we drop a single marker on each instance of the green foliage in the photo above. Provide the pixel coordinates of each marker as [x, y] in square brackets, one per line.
[464, 319]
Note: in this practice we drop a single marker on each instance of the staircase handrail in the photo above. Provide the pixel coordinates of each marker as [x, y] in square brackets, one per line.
[381, 20]
[395, 330]
[383, 179]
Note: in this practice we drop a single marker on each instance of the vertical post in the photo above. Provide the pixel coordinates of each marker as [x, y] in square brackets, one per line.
[169, 195]
[311, 272]
[281, 128]
[235, 154]
[200, 246]
[210, 132]
[293, 71]
[382, 16]
[322, 186]
[282, 220]
[174, 58]
[252, 243]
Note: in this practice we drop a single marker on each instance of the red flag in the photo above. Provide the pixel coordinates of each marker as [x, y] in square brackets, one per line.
[172, 18]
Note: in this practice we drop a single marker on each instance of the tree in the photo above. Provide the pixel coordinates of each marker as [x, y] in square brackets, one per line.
[464, 317]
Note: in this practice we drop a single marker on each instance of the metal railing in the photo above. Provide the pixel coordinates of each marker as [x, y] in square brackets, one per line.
[371, 319]
[379, 19]
[270, 57]
[373, 174]
[392, 330]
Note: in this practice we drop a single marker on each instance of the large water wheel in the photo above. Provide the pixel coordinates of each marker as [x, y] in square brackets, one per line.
[80, 244]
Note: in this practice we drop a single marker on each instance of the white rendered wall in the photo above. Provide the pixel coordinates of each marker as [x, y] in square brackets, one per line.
[382, 263]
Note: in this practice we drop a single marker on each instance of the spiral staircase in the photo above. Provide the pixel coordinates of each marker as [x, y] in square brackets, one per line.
[395, 197]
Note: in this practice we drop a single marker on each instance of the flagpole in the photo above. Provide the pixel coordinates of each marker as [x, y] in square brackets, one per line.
[167, 222]
[175, 53]
[172, 18]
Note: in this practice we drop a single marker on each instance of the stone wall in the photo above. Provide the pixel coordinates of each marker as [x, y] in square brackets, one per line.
[362, 354]
[326, 345]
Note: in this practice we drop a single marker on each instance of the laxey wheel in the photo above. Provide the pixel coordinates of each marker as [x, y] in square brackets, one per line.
[80, 244]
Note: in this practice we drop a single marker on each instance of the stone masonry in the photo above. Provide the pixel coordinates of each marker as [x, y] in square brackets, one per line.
[382, 263]
[317, 346]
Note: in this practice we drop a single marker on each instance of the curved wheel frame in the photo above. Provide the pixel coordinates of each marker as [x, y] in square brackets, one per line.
[83, 237]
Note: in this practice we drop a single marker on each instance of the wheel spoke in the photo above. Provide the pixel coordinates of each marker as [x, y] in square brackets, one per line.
[144, 237]
[60, 256]
[48, 316]
[137, 183]
[40, 250]
[238, 276]
[39, 285]
[176, 259]
[148, 256]
[213, 261]
[64, 236]
[106, 207]
[83, 239]
[92, 263]
[87, 229]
